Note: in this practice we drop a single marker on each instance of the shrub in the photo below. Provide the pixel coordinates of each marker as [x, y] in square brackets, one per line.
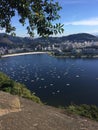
[10, 86]
[89, 111]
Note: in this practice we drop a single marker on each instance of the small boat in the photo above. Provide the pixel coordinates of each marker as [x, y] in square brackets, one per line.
[32, 80]
[42, 78]
[51, 84]
[77, 76]
[53, 93]
[45, 86]
[58, 77]
[68, 84]
[58, 91]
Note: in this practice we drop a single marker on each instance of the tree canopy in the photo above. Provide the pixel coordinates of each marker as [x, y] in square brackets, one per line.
[40, 15]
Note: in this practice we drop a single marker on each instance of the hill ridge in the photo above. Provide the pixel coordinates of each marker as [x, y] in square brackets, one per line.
[8, 40]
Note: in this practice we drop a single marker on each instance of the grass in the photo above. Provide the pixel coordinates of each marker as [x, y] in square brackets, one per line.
[89, 111]
[10, 86]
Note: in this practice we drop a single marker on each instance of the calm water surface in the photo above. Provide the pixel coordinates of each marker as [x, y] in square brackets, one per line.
[57, 81]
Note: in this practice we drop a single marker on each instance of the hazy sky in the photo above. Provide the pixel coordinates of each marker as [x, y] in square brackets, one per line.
[76, 15]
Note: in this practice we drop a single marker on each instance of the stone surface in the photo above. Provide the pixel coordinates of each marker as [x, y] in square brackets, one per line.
[9, 103]
[35, 116]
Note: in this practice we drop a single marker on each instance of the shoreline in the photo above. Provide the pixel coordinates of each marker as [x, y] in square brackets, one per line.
[73, 57]
[30, 53]
[20, 54]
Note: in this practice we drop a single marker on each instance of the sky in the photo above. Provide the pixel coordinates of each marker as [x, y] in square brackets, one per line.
[78, 16]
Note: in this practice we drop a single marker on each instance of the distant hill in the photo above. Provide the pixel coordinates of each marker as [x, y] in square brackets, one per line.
[80, 37]
[8, 40]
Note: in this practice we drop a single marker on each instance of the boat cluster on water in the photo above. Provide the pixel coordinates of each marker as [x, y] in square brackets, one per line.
[54, 80]
[37, 76]
[42, 77]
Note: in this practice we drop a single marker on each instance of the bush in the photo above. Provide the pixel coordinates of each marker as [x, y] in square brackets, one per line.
[10, 86]
[89, 111]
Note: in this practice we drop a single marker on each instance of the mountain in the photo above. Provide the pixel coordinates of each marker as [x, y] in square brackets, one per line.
[11, 39]
[8, 40]
[80, 37]
[4, 41]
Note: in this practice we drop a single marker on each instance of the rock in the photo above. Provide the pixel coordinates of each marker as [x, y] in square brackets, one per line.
[8, 103]
[15, 103]
[34, 116]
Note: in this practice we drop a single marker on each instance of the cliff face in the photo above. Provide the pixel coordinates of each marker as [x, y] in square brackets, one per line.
[24, 114]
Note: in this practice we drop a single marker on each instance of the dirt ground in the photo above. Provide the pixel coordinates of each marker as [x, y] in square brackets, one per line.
[33, 116]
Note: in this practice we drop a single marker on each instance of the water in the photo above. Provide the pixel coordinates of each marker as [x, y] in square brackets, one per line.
[57, 81]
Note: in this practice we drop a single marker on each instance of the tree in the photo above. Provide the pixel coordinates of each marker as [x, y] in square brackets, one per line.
[40, 15]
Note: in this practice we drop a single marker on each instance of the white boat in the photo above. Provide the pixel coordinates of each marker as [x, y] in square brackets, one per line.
[68, 84]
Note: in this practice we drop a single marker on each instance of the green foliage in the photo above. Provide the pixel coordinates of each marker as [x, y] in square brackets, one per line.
[89, 111]
[8, 85]
[40, 15]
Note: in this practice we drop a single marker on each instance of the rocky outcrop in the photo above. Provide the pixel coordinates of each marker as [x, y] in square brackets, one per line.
[8, 103]
[34, 116]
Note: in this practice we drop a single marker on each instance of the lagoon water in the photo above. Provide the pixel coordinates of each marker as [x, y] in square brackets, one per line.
[57, 81]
